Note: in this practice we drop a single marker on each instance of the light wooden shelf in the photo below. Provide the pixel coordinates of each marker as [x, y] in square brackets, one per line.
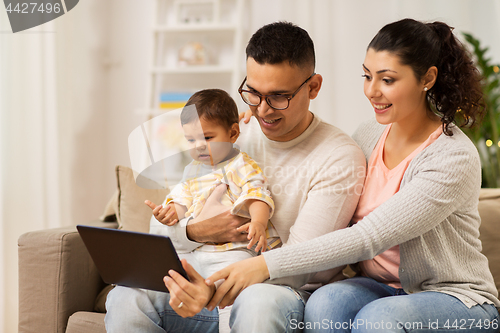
[221, 33]
[195, 28]
[193, 69]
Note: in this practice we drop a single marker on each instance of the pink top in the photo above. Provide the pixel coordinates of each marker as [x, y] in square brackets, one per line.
[382, 183]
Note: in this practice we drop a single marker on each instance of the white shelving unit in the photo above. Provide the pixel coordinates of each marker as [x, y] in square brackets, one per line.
[212, 35]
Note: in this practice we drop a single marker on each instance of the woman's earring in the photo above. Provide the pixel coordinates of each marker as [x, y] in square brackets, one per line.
[425, 88]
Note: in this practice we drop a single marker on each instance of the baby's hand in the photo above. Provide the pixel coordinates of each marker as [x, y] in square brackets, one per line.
[165, 215]
[256, 233]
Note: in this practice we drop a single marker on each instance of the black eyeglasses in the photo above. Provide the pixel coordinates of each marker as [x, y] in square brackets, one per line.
[277, 102]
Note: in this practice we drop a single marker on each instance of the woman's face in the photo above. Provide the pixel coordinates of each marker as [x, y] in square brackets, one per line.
[392, 88]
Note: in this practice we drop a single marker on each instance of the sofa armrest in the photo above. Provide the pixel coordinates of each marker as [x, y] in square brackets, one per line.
[57, 277]
[489, 210]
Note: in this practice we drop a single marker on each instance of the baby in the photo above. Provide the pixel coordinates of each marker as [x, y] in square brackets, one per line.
[210, 124]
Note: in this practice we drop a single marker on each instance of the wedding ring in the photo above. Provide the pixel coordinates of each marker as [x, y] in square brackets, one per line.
[181, 304]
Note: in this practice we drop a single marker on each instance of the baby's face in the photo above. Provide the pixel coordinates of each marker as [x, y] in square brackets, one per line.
[209, 143]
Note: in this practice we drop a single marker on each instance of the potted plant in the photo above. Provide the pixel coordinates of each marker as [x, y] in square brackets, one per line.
[486, 136]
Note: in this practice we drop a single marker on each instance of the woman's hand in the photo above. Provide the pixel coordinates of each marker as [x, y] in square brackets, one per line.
[238, 276]
[246, 116]
[187, 298]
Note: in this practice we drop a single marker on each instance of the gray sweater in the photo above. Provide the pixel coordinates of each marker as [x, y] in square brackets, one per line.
[433, 217]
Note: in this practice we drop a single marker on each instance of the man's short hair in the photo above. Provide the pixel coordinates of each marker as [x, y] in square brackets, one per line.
[282, 41]
[213, 105]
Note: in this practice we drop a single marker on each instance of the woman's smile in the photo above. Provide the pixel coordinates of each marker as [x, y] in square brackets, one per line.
[381, 108]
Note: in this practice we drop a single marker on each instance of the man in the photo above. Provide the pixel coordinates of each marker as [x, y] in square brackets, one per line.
[315, 174]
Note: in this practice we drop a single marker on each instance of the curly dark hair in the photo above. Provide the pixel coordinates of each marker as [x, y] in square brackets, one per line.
[282, 41]
[423, 45]
[212, 105]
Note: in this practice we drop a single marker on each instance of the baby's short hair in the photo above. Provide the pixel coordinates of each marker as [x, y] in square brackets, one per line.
[212, 105]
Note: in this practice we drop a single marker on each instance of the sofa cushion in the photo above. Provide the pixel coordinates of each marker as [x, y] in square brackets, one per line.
[85, 322]
[100, 301]
[128, 204]
[489, 209]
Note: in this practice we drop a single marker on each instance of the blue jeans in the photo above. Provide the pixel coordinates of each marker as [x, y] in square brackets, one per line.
[267, 308]
[137, 310]
[362, 304]
[259, 308]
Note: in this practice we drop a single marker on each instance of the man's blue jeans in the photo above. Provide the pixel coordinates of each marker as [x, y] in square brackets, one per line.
[136, 310]
[362, 304]
[267, 308]
[259, 308]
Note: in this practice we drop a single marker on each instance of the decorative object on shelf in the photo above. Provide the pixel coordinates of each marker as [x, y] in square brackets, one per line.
[174, 99]
[197, 44]
[196, 12]
[486, 136]
[193, 53]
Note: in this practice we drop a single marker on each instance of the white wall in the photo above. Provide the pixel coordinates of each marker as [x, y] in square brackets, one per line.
[342, 29]
[103, 53]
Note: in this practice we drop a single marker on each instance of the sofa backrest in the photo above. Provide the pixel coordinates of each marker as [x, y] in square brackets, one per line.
[489, 209]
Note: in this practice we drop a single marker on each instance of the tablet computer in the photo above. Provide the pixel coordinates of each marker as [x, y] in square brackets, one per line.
[131, 259]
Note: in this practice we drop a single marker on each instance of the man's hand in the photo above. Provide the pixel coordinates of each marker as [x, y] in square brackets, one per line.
[215, 223]
[187, 298]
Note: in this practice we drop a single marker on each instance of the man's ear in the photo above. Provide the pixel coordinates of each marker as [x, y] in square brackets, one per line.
[234, 132]
[430, 77]
[315, 85]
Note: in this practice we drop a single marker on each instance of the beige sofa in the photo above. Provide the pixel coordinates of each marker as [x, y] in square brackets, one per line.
[60, 289]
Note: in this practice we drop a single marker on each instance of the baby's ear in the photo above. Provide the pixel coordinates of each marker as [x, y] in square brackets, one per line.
[234, 132]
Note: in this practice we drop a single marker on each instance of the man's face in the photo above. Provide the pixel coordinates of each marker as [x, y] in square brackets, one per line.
[266, 79]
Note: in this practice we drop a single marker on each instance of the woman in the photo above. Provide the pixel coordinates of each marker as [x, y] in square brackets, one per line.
[416, 228]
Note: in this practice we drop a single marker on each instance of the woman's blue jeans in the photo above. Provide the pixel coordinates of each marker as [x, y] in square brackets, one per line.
[362, 304]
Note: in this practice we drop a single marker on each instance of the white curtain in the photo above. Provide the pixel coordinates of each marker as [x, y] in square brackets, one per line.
[3, 128]
[30, 188]
[53, 132]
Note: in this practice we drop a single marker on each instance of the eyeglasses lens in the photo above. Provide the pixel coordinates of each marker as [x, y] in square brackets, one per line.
[274, 101]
